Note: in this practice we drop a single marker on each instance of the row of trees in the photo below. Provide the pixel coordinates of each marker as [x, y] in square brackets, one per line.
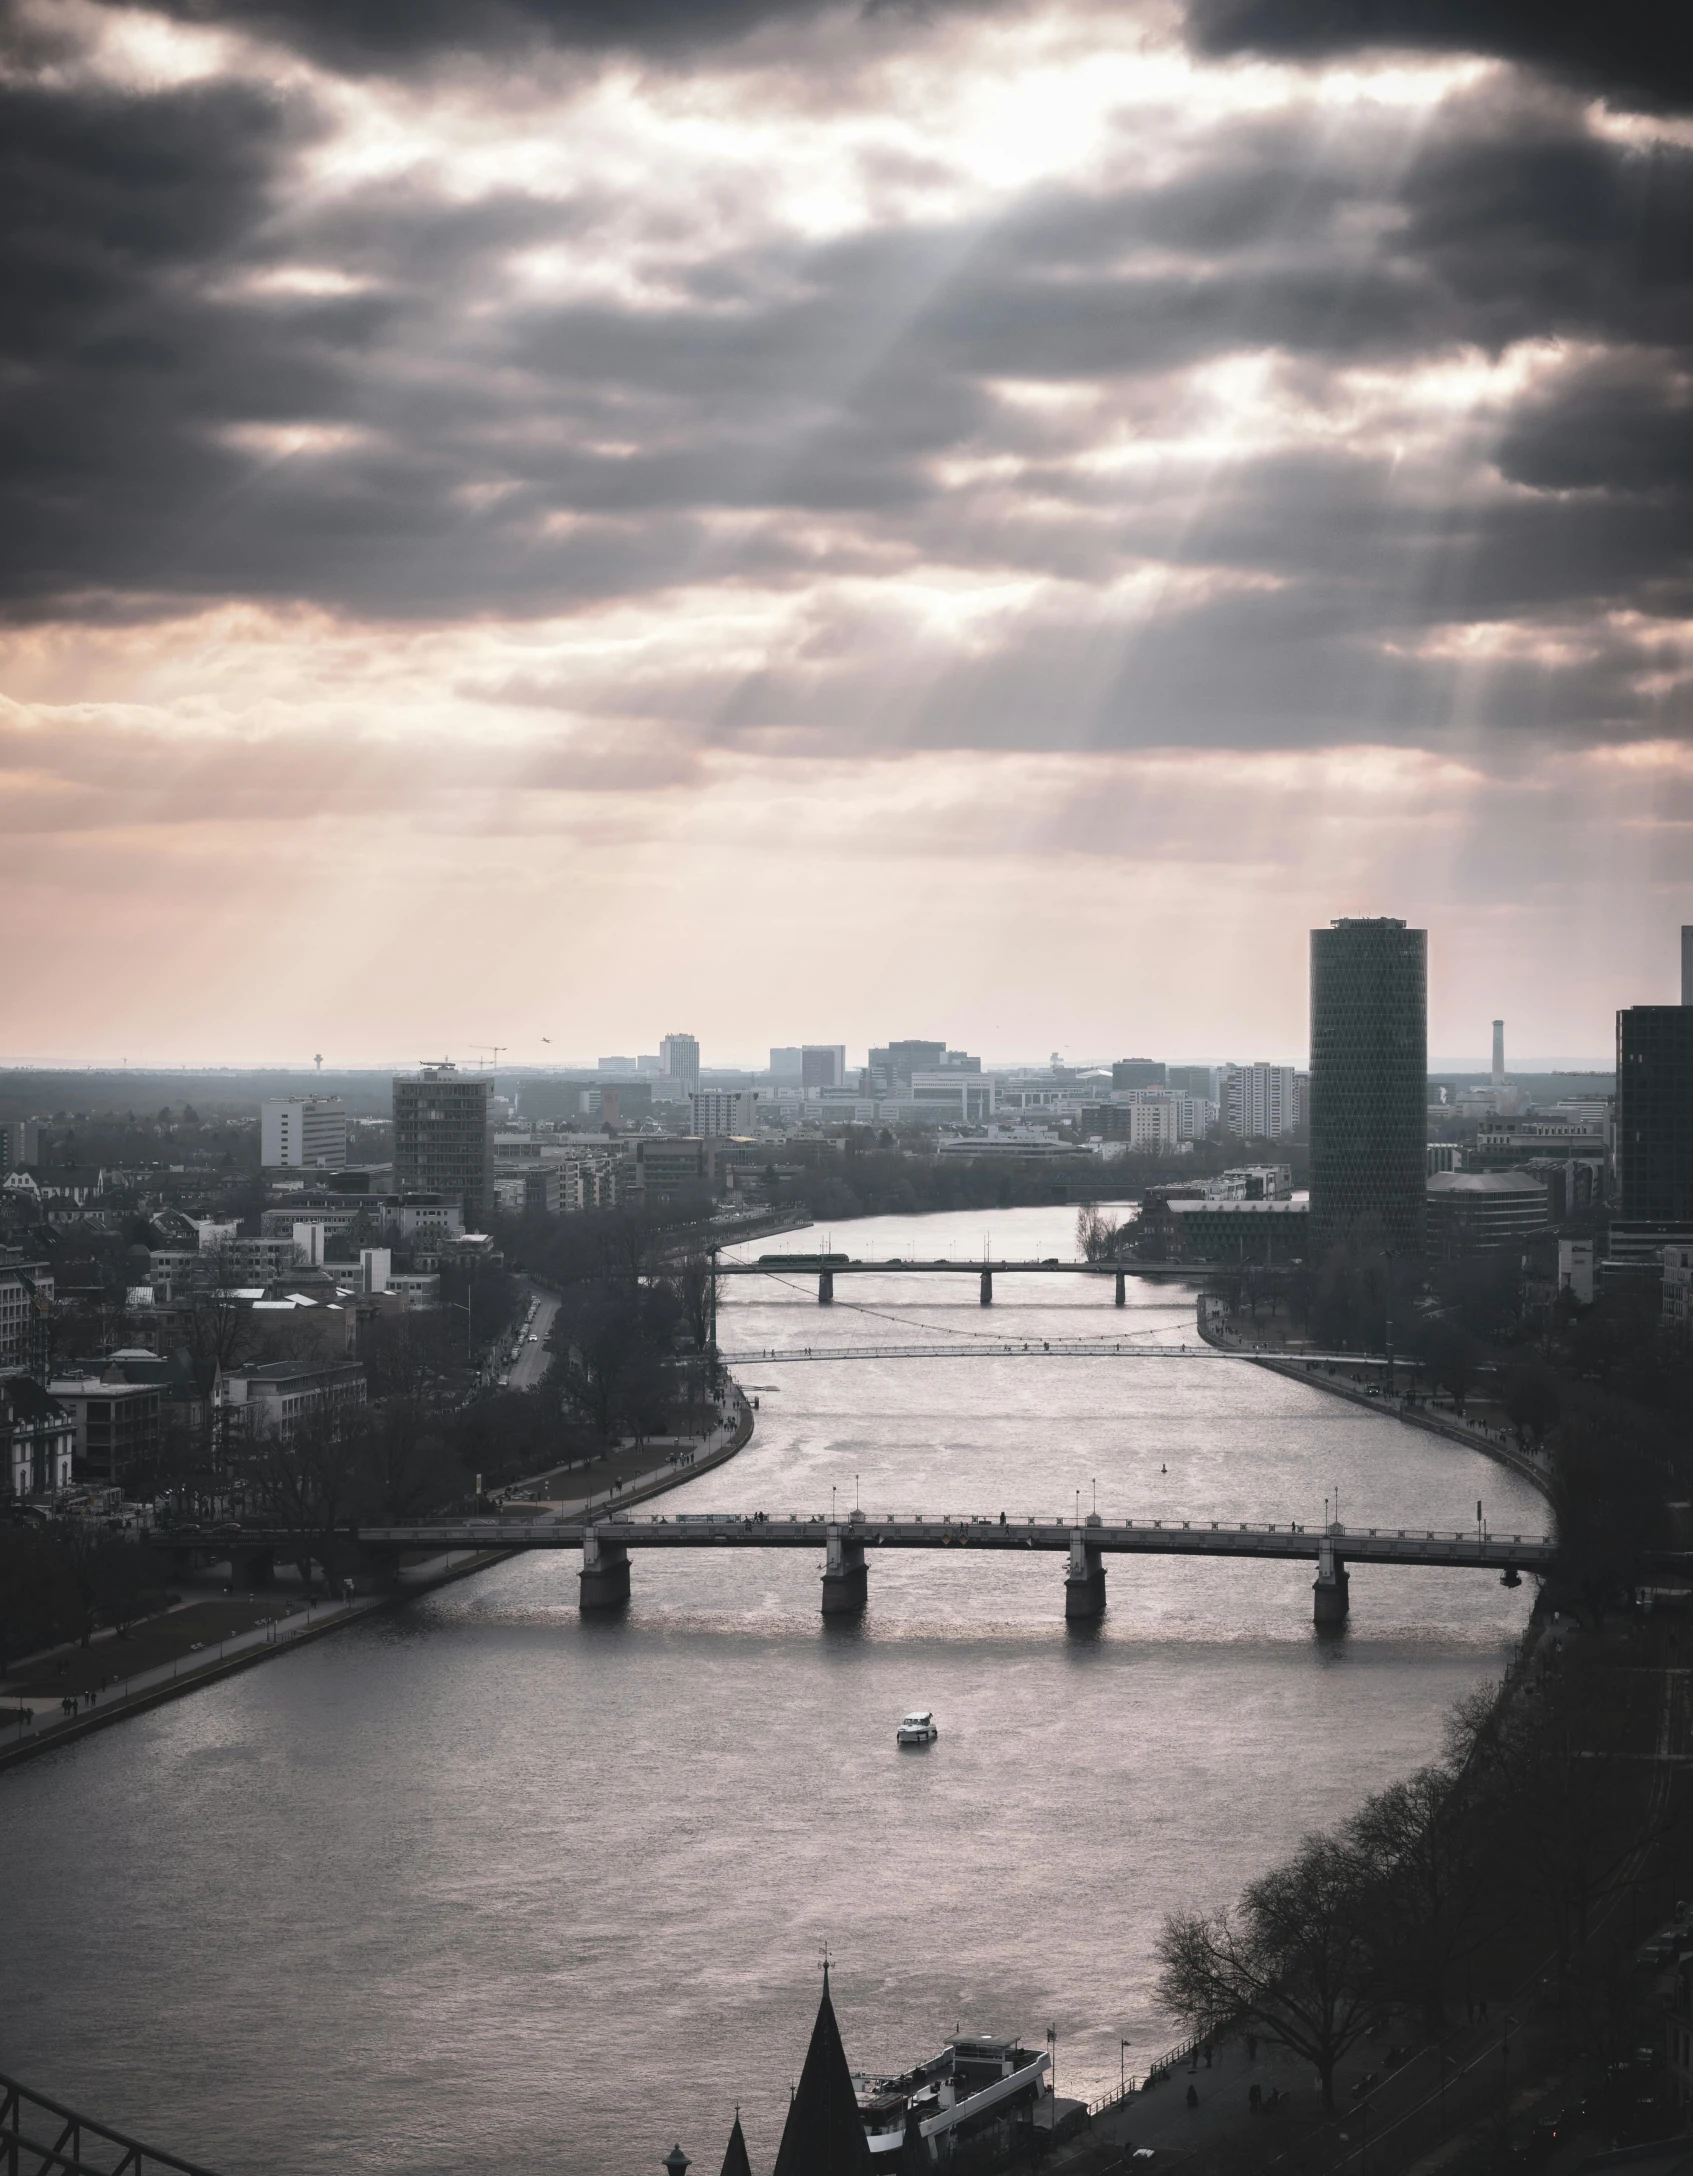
[1454, 1883]
[64, 1581]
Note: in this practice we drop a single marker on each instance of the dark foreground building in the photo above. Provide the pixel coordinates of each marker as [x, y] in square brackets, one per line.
[1369, 1083]
[824, 2134]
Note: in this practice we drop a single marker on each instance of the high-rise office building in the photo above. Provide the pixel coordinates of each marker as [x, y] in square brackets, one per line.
[1687, 963]
[681, 1056]
[1368, 1083]
[895, 1063]
[1138, 1073]
[823, 1065]
[20, 1143]
[1202, 1081]
[442, 1140]
[1498, 1053]
[302, 1133]
[1654, 1136]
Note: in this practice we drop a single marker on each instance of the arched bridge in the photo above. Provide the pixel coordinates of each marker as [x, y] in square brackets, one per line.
[847, 1544]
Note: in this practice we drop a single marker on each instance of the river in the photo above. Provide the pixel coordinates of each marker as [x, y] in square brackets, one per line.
[477, 1886]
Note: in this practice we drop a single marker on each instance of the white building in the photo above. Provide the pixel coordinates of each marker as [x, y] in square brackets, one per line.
[37, 1438]
[1252, 1182]
[1576, 1269]
[274, 1400]
[1155, 1122]
[1262, 1102]
[303, 1133]
[724, 1113]
[26, 1306]
[679, 1061]
[952, 1098]
[20, 1143]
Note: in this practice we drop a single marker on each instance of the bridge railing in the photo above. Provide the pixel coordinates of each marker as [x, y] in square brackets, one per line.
[70, 2144]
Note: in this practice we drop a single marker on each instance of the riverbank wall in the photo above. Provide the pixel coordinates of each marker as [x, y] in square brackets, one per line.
[1299, 1370]
[117, 1705]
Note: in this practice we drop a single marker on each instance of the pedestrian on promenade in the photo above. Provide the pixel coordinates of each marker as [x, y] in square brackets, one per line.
[1193, 2096]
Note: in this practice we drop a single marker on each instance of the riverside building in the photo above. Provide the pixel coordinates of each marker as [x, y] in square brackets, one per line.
[1368, 1083]
[1654, 1132]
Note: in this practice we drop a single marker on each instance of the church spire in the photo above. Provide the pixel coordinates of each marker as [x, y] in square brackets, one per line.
[824, 2133]
[735, 2162]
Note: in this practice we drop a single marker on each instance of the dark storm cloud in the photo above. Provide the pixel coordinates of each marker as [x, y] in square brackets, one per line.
[1637, 49]
[771, 412]
[384, 35]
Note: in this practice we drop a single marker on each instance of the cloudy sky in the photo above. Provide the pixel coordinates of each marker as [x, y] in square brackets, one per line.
[578, 518]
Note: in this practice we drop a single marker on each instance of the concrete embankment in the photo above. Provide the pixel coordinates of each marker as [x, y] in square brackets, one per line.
[1398, 1408]
[152, 1688]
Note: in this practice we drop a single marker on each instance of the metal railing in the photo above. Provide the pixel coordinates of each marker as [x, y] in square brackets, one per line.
[1159, 2067]
[72, 2144]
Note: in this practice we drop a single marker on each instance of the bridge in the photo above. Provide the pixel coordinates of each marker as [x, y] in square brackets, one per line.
[1055, 1348]
[846, 1543]
[827, 1267]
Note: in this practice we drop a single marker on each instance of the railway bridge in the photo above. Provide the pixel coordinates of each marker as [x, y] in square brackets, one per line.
[827, 1267]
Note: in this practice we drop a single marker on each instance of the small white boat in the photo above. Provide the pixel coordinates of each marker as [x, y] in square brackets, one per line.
[917, 1728]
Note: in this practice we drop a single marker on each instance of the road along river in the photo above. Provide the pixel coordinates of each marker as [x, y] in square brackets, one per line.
[482, 1886]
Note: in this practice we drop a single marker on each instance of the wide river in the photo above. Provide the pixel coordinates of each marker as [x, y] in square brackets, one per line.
[477, 1886]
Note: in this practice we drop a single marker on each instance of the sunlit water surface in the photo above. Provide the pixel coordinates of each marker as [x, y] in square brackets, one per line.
[478, 1886]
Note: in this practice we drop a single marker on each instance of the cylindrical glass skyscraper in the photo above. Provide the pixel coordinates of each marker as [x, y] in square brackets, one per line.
[1369, 1084]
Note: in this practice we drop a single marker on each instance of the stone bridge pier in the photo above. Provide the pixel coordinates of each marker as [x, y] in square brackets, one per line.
[1122, 1289]
[1329, 1598]
[987, 1288]
[825, 1287]
[1084, 1583]
[605, 1572]
[846, 1577]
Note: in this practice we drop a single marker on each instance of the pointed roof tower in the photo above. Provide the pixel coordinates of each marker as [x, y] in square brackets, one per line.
[824, 2133]
[735, 2162]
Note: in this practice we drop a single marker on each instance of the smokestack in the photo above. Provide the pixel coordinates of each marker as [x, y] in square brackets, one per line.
[1687, 963]
[1499, 1052]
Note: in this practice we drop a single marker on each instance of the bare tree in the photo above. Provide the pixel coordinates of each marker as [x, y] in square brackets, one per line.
[1435, 1898]
[1099, 1236]
[306, 1478]
[1299, 1962]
